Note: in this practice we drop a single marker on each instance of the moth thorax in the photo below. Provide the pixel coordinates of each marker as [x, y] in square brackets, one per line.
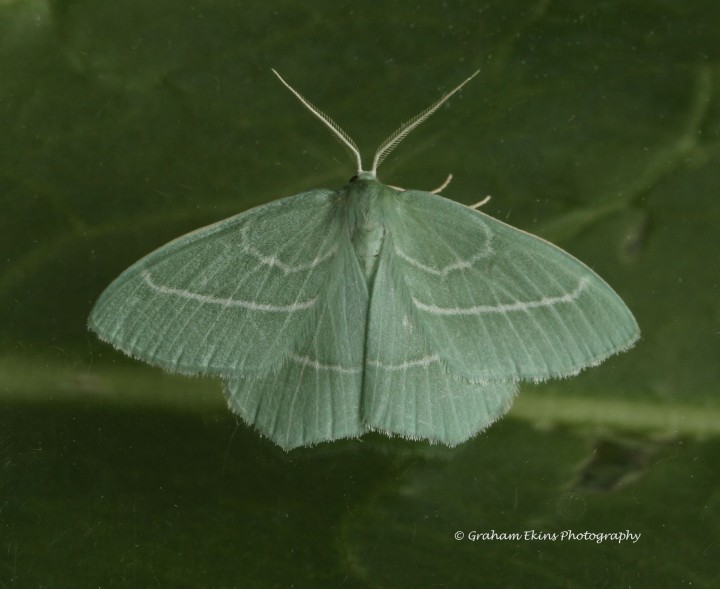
[367, 229]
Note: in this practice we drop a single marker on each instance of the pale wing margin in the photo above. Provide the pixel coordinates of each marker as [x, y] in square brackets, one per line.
[230, 299]
[497, 303]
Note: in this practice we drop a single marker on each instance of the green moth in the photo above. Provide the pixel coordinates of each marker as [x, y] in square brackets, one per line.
[332, 313]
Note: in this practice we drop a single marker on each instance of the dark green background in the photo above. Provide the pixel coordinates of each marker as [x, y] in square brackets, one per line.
[126, 123]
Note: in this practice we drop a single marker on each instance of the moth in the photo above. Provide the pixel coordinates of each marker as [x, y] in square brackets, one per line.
[333, 313]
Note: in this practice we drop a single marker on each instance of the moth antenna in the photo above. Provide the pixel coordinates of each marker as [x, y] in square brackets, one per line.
[341, 135]
[392, 142]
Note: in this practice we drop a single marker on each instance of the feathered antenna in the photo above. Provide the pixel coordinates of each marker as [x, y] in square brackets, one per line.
[344, 138]
[392, 142]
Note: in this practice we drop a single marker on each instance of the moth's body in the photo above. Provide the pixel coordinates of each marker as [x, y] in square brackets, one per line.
[364, 197]
[336, 312]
